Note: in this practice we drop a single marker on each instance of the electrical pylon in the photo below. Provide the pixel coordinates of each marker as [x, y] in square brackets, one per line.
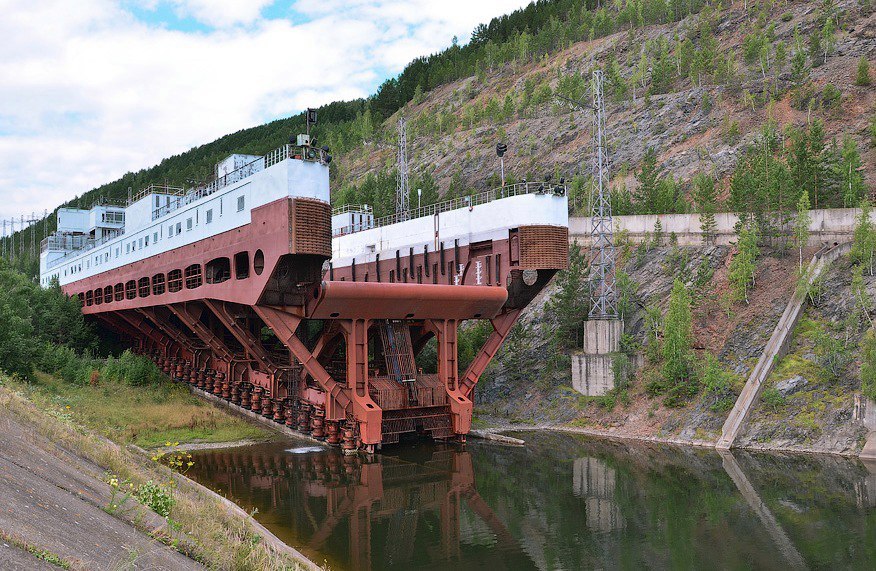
[402, 191]
[603, 295]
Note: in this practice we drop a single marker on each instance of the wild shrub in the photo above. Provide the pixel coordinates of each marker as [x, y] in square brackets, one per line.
[773, 398]
[157, 497]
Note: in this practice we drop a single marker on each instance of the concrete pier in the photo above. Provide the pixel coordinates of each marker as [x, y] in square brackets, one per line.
[592, 368]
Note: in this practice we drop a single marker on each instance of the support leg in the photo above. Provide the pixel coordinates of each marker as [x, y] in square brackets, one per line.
[502, 325]
[445, 331]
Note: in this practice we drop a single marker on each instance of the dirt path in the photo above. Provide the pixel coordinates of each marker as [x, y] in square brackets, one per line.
[53, 500]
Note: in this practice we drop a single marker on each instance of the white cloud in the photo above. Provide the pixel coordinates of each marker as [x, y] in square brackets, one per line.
[222, 13]
[88, 92]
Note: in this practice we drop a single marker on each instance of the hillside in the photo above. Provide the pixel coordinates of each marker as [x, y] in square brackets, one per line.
[682, 88]
[695, 81]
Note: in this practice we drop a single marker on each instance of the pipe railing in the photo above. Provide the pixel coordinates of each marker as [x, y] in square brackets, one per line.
[506, 191]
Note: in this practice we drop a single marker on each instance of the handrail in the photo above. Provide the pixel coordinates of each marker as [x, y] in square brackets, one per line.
[156, 189]
[87, 244]
[506, 191]
[312, 154]
[357, 208]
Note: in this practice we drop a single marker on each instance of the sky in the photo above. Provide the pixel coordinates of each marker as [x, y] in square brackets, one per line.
[92, 89]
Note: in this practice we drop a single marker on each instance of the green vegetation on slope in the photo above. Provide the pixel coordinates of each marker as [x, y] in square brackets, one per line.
[147, 416]
[48, 348]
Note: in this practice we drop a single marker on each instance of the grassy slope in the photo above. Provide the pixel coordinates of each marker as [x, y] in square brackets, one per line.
[209, 532]
[145, 416]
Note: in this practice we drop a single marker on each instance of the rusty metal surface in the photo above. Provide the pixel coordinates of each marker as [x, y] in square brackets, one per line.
[346, 300]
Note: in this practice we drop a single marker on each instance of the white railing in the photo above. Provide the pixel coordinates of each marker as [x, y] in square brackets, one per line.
[156, 189]
[357, 208]
[462, 202]
[276, 156]
[75, 244]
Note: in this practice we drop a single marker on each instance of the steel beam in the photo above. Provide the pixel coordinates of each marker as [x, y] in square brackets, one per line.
[502, 325]
[284, 326]
[190, 315]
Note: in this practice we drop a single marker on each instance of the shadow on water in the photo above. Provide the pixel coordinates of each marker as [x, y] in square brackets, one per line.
[561, 502]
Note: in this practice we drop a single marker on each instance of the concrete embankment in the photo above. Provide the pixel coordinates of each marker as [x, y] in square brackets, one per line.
[775, 349]
[57, 505]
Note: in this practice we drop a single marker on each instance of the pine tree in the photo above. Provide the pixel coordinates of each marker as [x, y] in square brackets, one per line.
[864, 238]
[815, 50]
[658, 234]
[799, 72]
[704, 189]
[863, 76]
[677, 336]
[569, 306]
[801, 225]
[744, 263]
[649, 178]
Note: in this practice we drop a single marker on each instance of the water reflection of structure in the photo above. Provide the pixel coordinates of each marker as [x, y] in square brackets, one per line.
[865, 490]
[594, 481]
[390, 512]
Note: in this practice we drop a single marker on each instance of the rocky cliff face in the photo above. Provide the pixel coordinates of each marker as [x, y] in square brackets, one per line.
[695, 126]
[813, 413]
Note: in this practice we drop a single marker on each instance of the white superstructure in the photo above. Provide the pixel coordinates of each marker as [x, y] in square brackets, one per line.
[159, 219]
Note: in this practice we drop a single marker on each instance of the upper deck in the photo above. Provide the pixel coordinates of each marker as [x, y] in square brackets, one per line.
[160, 219]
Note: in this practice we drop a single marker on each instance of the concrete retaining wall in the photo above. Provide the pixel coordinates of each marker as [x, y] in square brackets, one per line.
[827, 226]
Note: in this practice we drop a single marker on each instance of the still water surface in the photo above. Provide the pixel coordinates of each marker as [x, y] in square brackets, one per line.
[561, 502]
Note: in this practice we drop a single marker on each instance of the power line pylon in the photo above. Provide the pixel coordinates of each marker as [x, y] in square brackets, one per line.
[603, 295]
[402, 191]
[32, 223]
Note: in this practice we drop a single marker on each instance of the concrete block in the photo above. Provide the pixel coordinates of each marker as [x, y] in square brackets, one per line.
[870, 414]
[592, 375]
[592, 371]
[602, 336]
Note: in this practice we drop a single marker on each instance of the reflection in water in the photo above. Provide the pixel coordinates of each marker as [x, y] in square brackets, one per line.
[594, 481]
[359, 513]
[561, 502]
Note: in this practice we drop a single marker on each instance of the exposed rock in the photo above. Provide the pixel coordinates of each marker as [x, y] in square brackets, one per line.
[791, 386]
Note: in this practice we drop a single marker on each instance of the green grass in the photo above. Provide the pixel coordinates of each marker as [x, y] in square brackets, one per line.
[146, 416]
[793, 364]
[42, 554]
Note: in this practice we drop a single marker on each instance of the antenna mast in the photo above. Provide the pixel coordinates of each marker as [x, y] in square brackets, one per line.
[603, 296]
[402, 192]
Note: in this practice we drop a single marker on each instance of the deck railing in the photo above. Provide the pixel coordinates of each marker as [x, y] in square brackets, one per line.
[75, 244]
[270, 159]
[506, 191]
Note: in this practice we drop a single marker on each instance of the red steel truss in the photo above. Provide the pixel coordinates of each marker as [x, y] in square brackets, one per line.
[260, 317]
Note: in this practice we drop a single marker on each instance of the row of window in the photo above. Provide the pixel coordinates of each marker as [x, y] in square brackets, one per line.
[215, 271]
[143, 242]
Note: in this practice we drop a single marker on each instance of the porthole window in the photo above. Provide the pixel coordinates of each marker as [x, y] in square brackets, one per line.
[258, 262]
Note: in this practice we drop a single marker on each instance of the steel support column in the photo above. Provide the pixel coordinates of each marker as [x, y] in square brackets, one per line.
[370, 415]
[445, 331]
[502, 325]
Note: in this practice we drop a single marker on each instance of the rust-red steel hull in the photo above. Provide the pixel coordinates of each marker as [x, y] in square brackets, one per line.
[259, 317]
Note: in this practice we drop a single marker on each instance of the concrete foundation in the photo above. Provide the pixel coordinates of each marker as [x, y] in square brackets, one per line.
[865, 413]
[592, 371]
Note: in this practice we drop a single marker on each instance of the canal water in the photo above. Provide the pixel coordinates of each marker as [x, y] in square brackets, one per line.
[561, 502]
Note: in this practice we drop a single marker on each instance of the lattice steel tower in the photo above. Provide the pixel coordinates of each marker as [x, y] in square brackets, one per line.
[603, 295]
[402, 191]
